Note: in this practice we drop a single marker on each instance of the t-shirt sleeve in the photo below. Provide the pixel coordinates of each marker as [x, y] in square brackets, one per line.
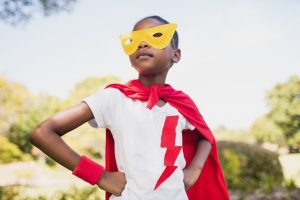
[189, 126]
[101, 104]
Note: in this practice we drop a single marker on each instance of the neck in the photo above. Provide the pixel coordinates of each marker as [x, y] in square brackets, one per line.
[148, 80]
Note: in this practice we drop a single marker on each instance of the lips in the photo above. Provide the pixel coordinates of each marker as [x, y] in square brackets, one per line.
[143, 54]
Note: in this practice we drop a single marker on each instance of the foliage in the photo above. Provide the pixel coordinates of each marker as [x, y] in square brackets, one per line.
[50, 162]
[10, 152]
[225, 134]
[247, 167]
[266, 130]
[89, 193]
[8, 193]
[284, 100]
[282, 123]
[290, 184]
[17, 11]
[73, 193]
[41, 107]
[87, 87]
[14, 100]
[21, 112]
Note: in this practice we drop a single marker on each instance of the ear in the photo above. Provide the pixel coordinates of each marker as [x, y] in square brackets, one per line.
[176, 55]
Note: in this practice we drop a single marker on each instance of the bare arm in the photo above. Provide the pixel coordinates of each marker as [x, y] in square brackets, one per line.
[202, 152]
[47, 137]
[193, 170]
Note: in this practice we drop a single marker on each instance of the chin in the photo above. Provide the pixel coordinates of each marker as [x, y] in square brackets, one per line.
[145, 70]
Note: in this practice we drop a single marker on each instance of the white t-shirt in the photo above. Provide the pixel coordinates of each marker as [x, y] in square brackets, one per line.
[137, 132]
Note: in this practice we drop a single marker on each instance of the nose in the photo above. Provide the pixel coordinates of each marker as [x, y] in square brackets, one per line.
[143, 45]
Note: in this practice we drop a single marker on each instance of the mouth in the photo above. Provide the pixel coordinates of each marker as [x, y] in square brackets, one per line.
[144, 55]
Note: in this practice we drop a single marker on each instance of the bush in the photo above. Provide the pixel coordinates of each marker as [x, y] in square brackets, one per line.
[8, 193]
[73, 193]
[10, 152]
[249, 167]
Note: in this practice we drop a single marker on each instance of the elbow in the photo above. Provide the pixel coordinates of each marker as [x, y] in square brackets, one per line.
[38, 133]
[35, 135]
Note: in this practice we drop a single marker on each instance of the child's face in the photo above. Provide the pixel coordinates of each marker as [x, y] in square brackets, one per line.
[148, 60]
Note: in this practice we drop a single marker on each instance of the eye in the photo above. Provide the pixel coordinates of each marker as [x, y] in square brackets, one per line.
[157, 35]
[128, 41]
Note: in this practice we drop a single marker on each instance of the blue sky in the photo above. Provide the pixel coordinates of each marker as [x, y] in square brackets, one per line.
[232, 51]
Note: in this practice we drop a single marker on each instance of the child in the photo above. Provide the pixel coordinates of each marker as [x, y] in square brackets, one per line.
[157, 143]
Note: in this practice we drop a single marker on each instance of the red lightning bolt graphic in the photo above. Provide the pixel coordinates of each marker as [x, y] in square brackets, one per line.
[168, 139]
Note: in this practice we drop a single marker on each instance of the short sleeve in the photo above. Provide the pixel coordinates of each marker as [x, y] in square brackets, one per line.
[189, 126]
[101, 106]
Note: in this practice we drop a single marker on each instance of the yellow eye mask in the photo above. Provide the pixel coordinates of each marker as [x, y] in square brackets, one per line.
[158, 37]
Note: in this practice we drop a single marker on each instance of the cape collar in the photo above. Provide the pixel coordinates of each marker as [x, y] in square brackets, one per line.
[136, 90]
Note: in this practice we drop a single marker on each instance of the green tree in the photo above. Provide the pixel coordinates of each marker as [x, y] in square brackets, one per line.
[265, 129]
[15, 99]
[87, 87]
[21, 111]
[40, 108]
[17, 11]
[10, 152]
[282, 123]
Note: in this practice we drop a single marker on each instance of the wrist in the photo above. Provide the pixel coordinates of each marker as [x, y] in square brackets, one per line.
[102, 179]
[88, 170]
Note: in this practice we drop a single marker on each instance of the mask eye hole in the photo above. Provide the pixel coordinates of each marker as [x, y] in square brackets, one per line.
[157, 35]
[128, 41]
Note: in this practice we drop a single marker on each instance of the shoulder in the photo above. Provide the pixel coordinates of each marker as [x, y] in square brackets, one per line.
[180, 94]
[103, 96]
[108, 92]
[112, 95]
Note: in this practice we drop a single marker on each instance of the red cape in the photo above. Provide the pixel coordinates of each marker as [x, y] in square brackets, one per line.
[211, 184]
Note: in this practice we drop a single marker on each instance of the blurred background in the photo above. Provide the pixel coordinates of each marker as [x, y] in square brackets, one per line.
[240, 64]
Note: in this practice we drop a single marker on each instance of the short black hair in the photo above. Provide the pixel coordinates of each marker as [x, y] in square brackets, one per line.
[175, 39]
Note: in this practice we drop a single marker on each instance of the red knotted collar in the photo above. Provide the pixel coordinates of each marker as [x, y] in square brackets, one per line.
[137, 91]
